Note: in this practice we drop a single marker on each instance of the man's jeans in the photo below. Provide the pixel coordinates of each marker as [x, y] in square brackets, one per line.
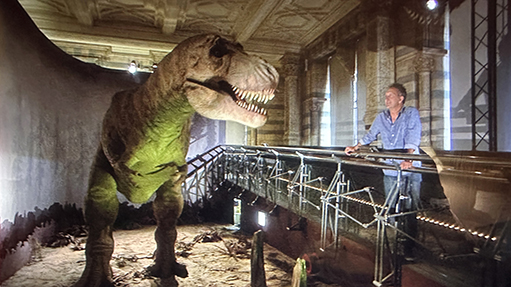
[411, 184]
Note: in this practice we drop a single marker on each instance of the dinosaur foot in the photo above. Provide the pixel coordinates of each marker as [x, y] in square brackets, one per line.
[166, 282]
[178, 270]
[95, 277]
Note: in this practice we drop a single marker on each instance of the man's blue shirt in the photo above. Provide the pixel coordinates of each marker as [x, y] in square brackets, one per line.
[404, 133]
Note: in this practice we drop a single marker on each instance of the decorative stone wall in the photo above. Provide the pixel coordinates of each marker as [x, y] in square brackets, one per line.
[342, 69]
[394, 47]
[292, 108]
[312, 116]
[316, 79]
[380, 64]
[421, 74]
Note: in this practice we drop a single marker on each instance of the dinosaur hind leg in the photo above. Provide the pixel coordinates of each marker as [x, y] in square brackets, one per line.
[167, 209]
[101, 207]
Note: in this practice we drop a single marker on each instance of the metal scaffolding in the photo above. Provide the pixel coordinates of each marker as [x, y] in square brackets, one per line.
[489, 24]
[312, 184]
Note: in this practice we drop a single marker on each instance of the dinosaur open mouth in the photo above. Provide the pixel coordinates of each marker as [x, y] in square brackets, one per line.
[246, 99]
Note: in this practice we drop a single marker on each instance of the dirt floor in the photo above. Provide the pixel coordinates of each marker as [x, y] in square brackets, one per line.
[208, 263]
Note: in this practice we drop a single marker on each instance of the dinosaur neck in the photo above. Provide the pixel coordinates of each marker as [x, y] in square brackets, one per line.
[168, 112]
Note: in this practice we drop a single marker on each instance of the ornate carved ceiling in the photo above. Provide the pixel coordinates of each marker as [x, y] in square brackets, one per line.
[113, 33]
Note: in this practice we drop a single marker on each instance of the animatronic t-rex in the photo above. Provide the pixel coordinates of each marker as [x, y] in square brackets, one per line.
[145, 137]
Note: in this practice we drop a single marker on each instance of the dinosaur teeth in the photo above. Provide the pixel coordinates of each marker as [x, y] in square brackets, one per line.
[247, 99]
[251, 107]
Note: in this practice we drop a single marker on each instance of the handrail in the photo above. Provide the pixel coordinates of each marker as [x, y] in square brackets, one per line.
[202, 161]
[371, 159]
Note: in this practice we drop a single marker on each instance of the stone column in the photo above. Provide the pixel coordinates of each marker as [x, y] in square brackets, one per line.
[423, 64]
[251, 134]
[292, 119]
[437, 96]
[380, 63]
[314, 107]
[316, 79]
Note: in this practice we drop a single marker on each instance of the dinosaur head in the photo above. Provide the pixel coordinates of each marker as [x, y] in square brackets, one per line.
[223, 82]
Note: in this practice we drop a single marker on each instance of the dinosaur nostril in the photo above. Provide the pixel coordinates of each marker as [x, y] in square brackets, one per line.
[271, 72]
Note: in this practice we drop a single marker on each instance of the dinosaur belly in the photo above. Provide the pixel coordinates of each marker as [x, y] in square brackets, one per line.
[149, 168]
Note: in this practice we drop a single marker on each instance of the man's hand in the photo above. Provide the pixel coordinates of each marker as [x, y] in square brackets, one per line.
[350, 149]
[406, 164]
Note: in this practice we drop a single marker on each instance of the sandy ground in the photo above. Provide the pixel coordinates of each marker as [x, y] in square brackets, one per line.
[208, 263]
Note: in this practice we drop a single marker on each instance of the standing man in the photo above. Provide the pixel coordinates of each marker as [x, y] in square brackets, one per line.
[400, 129]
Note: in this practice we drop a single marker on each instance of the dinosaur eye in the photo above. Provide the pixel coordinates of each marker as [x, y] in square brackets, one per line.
[219, 49]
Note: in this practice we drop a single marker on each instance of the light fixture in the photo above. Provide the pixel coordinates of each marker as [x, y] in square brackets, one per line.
[133, 67]
[261, 218]
[431, 4]
[237, 211]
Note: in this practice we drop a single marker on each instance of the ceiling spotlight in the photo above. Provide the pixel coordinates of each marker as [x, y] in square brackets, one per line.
[431, 4]
[133, 67]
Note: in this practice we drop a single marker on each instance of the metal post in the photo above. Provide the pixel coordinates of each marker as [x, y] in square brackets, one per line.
[399, 240]
[492, 74]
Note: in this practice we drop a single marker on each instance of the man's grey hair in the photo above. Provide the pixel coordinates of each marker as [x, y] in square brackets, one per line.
[401, 89]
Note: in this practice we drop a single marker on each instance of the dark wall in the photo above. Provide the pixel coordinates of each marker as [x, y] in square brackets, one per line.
[51, 106]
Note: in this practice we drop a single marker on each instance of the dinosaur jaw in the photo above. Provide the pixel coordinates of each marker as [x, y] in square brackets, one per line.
[249, 100]
[223, 101]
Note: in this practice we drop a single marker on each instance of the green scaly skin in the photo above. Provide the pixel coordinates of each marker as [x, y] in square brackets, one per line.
[145, 138]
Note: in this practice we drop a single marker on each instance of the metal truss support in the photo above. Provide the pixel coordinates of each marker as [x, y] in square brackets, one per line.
[383, 217]
[273, 177]
[296, 186]
[488, 23]
[205, 173]
[331, 200]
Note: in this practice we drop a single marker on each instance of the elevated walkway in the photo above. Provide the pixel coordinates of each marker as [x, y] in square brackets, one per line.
[344, 194]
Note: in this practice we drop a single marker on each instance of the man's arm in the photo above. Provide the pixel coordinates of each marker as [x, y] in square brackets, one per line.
[412, 136]
[368, 138]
